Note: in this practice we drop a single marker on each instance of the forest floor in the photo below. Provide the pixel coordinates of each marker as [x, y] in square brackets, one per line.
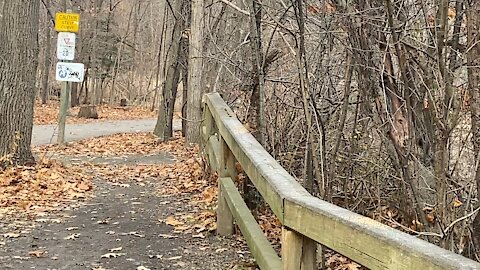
[119, 201]
[123, 201]
[112, 120]
[48, 114]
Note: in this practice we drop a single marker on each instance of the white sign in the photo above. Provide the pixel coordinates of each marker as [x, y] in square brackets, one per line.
[70, 72]
[66, 46]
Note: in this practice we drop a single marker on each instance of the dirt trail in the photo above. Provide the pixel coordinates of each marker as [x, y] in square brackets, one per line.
[46, 134]
[122, 224]
[122, 227]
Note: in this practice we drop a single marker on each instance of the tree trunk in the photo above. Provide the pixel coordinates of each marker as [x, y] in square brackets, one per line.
[163, 127]
[47, 59]
[473, 26]
[18, 66]
[160, 71]
[257, 100]
[183, 64]
[195, 62]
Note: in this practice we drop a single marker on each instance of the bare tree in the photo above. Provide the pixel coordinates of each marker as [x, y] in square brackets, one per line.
[164, 125]
[47, 54]
[195, 88]
[473, 17]
[18, 64]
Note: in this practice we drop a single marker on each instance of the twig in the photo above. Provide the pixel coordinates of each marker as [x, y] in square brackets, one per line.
[232, 5]
[411, 230]
[460, 219]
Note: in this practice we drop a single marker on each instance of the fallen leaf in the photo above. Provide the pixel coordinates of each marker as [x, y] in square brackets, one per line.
[136, 234]
[167, 236]
[72, 236]
[173, 222]
[113, 255]
[104, 221]
[37, 253]
[155, 256]
[182, 228]
[11, 235]
[200, 235]
[456, 203]
[21, 258]
[174, 258]
[83, 186]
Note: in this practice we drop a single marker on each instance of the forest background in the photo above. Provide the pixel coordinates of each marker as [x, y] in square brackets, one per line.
[372, 105]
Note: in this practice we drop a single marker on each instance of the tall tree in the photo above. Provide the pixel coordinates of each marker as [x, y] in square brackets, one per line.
[257, 100]
[473, 26]
[164, 126]
[194, 95]
[47, 55]
[18, 66]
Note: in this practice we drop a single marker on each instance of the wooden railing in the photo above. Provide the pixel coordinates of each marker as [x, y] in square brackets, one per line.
[306, 220]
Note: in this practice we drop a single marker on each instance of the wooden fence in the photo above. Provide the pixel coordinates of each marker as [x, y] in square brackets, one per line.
[306, 220]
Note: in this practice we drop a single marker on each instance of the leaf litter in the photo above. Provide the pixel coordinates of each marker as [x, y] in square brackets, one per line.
[48, 114]
[33, 191]
[185, 177]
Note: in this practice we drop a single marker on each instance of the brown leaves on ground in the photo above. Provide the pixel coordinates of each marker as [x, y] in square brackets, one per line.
[121, 144]
[48, 114]
[185, 176]
[336, 261]
[44, 187]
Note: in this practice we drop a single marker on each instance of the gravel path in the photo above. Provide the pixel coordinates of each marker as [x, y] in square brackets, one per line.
[46, 134]
[121, 227]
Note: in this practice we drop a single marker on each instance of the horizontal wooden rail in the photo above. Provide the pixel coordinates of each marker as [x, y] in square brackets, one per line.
[272, 181]
[306, 218]
[261, 249]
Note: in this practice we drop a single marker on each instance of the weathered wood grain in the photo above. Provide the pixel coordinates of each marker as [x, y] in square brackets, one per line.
[225, 221]
[360, 238]
[262, 251]
[365, 240]
[298, 251]
[272, 180]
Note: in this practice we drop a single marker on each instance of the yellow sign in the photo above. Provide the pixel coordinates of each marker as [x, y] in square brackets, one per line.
[67, 22]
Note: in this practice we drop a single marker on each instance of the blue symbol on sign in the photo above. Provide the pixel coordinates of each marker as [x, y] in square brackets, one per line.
[62, 73]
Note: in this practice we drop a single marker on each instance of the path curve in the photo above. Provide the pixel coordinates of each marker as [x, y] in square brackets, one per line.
[47, 134]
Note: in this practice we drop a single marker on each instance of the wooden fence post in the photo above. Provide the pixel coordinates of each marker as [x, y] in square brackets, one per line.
[225, 220]
[207, 123]
[298, 251]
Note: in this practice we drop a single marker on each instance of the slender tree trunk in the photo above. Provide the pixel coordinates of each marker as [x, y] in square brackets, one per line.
[195, 63]
[473, 26]
[133, 68]
[47, 59]
[163, 128]
[160, 71]
[18, 61]
[183, 61]
[257, 100]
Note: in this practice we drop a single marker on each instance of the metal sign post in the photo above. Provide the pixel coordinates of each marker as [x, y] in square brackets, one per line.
[67, 24]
